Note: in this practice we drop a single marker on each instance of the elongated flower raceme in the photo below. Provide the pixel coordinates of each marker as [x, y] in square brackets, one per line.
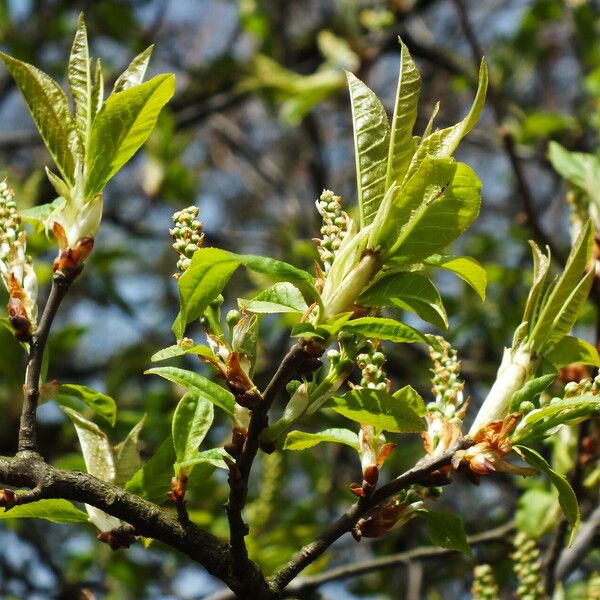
[16, 269]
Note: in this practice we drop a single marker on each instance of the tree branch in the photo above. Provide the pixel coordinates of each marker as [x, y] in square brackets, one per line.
[350, 518]
[297, 357]
[31, 392]
[149, 520]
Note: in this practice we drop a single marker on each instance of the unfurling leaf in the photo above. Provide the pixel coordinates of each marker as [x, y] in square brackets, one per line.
[300, 440]
[446, 530]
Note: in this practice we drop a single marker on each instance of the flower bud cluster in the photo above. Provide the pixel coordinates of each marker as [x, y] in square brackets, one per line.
[446, 385]
[16, 269]
[373, 375]
[484, 585]
[334, 228]
[187, 235]
[585, 386]
[528, 568]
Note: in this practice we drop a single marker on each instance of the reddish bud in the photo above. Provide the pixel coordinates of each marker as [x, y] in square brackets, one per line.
[7, 499]
[178, 487]
[121, 537]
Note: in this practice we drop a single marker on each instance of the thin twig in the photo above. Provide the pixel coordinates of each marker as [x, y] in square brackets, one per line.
[508, 142]
[309, 553]
[31, 392]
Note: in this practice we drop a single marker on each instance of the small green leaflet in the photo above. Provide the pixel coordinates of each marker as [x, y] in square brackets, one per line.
[379, 409]
[101, 404]
[282, 297]
[300, 440]
[153, 480]
[573, 350]
[123, 124]
[409, 291]
[446, 530]
[177, 350]
[384, 329]
[468, 269]
[192, 420]
[566, 495]
[57, 511]
[371, 143]
[135, 72]
[199, 384]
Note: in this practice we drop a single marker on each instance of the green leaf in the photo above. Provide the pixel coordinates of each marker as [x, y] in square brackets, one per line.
[379, 409]
[213, 457]
[578, 168]
[37, 216]
[446, 530]
[371, 144]
[300, 440]
[127, 455]
[153, 480]
[276, 269]
[202, 282]
[176, 350]
[541, 265]
[384, 329]
[409, 291]
[573, 350]
[468, 269]
[99, 461]
[537, 512]
[123, 124]
[566, 495]
[135, 72]
[192, 420]
[50, 110]
[198, 384]
[280, 298]
[531, 391]
[402, 145]
[57, 511]
[101, 404]
[411, 398]
[564, 287]
[444, 201]
[97, 89]
[443, 142]
[536, 423]
[80, 81]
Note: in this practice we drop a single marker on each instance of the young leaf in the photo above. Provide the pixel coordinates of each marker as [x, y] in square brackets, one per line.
[123, 124]
[409, 291]
[127, 455]
[379, 409]
[402, 145]
[410, 397]
[213, 457]
[578, 168]
[573, 350]
[49, 108]
[97, 89]
[57, 511]
[384, 329]
[300, 440]
[203, 281]
[176, 350]
[541, 265]
[153, 480]
[531, 391]
[371, 143]
[101, 404]
[446, 530]
[135, 72]
[198, 384]
[192, 420]
[568, 281]
[80, 80]
[281, 298]
[99, 462]
[447, 216]
[276, 269]
[566, 495]
[468, 269]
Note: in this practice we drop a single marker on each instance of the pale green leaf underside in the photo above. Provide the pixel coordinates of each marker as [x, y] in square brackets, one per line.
[135, 72]
[300, 440]
[282, 297]
[371, 143]
[127, 455]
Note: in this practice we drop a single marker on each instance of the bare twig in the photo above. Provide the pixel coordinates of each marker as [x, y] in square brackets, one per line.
[508, 142]
[31, 392]
[349, 519]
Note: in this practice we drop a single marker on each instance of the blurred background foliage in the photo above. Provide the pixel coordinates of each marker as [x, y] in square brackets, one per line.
[259, 126]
